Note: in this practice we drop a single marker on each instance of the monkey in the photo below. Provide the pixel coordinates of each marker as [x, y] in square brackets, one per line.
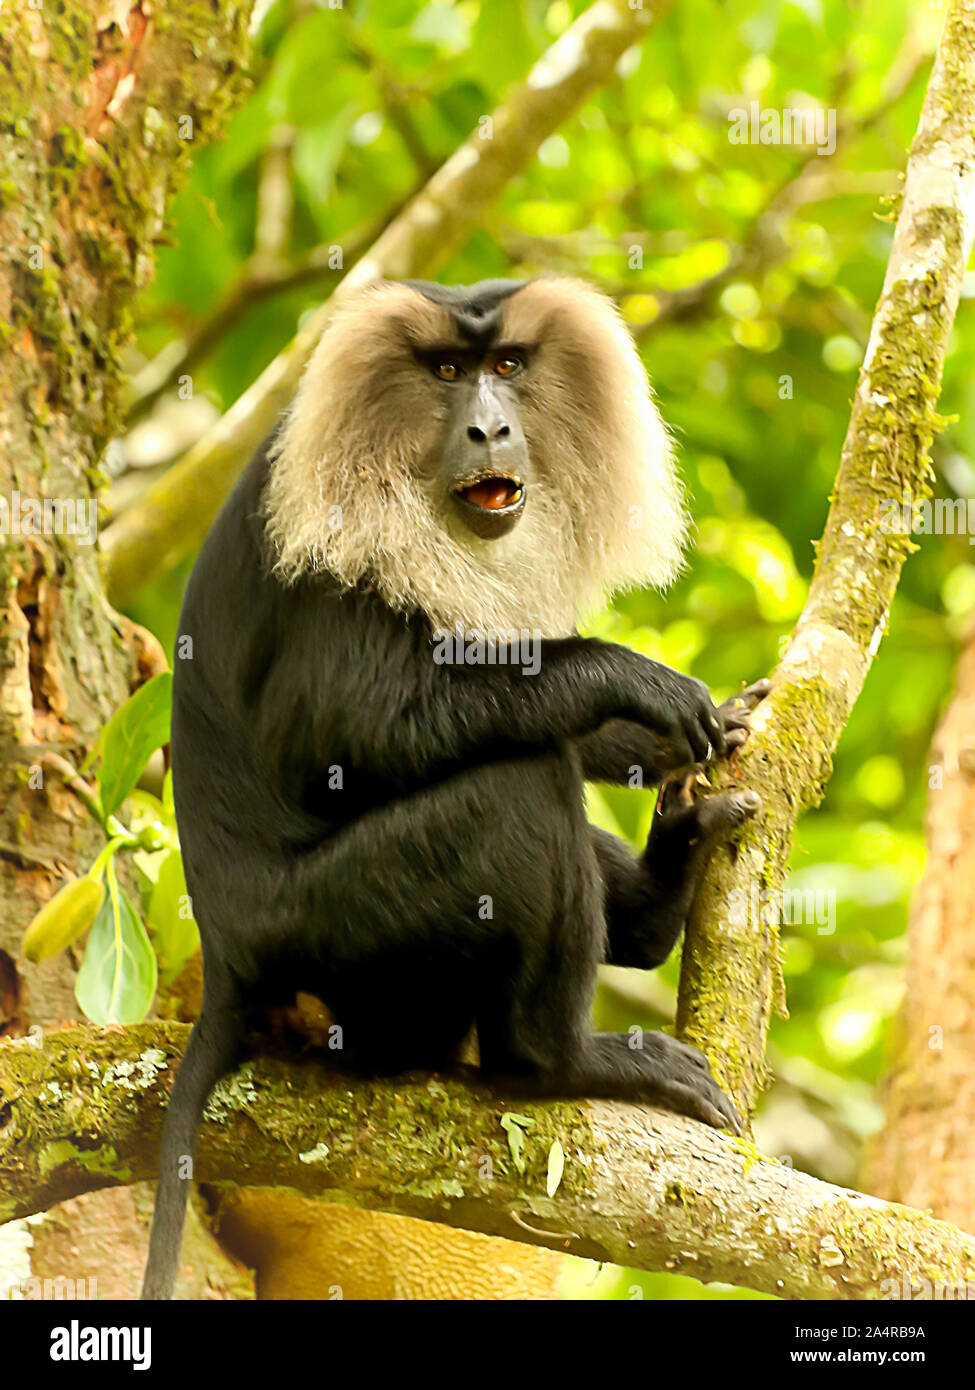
[406, 838]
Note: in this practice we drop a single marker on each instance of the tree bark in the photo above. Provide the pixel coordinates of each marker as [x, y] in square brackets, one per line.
[101, 106]
[925, 1154]
[640, 1187]
[730, 975]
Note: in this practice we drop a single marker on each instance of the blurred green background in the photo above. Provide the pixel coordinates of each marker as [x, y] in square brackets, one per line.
[644, 193]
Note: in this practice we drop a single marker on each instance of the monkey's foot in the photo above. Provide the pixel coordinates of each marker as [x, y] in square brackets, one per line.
[681, 802]
[681, 1080]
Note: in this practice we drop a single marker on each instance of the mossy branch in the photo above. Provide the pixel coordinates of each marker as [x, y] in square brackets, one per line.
[730, 977]
[174, 516]
[82, 1109]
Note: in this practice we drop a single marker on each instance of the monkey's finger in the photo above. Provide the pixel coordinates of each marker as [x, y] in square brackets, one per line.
[692, 1056]
[698, 738]
[755, 693]
[677, 735]
[716, 731]
[744, 701]
[732, 1119]
[735, 718]
[716, 1100]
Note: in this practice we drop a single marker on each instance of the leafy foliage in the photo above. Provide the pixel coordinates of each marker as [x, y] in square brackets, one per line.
[119, 973]
[117, 979]
[133, 733]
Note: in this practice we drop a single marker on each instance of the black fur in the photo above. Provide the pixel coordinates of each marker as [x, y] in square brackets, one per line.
[475, 309]
[459, 784]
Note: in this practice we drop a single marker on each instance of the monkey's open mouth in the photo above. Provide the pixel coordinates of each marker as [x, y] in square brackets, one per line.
[494, 494]
[490, 504]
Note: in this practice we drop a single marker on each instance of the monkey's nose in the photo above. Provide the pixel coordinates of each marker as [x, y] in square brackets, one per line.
[479, 436]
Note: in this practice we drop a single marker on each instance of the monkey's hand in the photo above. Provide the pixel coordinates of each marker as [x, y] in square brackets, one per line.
[680, 711]
[732, 715]
[680, 1079]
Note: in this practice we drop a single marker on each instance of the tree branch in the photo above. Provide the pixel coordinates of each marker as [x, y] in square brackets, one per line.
[82, 1109]
[176, 513]
[260, 278]
[730, 976]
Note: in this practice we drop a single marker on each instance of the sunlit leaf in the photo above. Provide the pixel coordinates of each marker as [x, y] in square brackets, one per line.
[117, 979]
[171, 917]
[515, 1126]
[130, 737]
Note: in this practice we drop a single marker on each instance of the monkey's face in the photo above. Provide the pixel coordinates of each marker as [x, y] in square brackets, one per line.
[482, 462]
[489, 454]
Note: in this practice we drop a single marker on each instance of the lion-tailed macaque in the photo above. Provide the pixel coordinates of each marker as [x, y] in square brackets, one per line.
[380, 741]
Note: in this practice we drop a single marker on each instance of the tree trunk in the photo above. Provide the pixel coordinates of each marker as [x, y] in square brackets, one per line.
[925, 1154]
[100, 109]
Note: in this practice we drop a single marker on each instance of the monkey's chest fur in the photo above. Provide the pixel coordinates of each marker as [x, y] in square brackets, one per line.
[338, 838]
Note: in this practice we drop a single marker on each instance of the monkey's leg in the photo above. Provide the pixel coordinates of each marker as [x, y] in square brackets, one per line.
[648, 899]
[619, 1066]
[534, 1031]
[211, 1052]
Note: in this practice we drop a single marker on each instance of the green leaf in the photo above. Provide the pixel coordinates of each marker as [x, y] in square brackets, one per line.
[130, 737]
[117, 979]
[169, 805]
[171, 917]
[515, 1126]
[556, 1167]
[318, 152]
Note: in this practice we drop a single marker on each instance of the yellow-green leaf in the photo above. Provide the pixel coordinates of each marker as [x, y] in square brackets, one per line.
[130, 737]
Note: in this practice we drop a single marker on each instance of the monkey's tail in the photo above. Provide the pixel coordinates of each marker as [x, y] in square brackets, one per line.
[211, 1052]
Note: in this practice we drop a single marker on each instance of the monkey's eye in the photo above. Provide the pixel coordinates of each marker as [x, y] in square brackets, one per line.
[507, 366]
[446, 370]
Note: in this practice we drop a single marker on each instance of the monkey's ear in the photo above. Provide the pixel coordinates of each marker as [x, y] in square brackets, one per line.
[593, 423]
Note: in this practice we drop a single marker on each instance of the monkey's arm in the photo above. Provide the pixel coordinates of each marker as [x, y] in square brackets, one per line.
[434, 718]
[625, 754]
